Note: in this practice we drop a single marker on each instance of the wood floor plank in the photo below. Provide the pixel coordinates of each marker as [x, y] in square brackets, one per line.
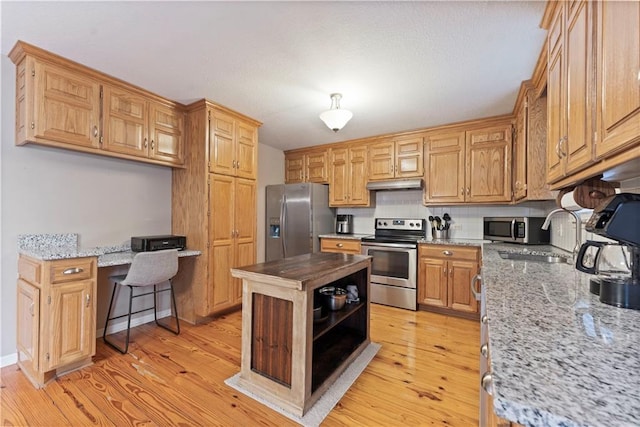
[426, 373]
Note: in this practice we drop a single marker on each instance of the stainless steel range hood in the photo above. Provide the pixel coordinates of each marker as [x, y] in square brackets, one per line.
[396, 184]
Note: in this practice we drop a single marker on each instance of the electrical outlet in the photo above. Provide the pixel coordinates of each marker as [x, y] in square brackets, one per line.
[456, 227]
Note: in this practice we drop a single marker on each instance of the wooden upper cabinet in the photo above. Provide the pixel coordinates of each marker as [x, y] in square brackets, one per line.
[307, 166]
[64, 104]
[233, 148]
[618, 76]
[488, 165]
[569, 87]
[61, 107]
[126, 121]
[520, 153]
[166, 133]
[348, 185]
[444, 166]
[401, 158]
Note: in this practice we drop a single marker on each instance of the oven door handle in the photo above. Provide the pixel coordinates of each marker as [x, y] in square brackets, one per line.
[389, 246]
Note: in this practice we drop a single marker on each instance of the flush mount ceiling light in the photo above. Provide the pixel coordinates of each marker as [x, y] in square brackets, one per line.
[335, 118]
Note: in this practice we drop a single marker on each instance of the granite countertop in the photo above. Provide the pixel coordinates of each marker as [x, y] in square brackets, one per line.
[559, 357]
[354, 236]
[456, 242]
[50, 247]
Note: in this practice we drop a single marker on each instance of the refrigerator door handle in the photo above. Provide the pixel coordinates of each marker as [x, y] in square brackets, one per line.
[283, 225]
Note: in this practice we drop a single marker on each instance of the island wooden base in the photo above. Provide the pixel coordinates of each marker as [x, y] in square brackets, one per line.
[287, 359]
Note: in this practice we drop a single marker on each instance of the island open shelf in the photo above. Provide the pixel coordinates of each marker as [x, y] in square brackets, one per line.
[288, 359]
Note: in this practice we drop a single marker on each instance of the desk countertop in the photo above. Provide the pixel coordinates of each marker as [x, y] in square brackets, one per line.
[50, 247]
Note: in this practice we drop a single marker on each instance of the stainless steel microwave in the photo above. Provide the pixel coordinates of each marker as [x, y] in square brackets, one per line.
[523, 229]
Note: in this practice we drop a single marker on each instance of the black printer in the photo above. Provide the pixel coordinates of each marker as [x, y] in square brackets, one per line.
[157, 243]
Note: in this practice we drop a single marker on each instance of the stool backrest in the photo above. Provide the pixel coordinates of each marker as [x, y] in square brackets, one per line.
[151, 268]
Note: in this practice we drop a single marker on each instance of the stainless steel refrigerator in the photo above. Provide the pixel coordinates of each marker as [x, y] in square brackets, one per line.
[296, 215]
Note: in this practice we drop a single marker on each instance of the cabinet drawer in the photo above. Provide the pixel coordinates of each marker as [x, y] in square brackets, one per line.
[340, 245]
[449, 252]
[68, 270]
[29, 269]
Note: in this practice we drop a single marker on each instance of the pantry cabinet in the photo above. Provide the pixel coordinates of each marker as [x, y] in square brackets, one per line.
[56, 316]
[444, 277]
[307, 166]
[232, 241]
[396, 158]
[215, 211]
[618, 76]
[63, 104]
[233, 148]
[348, 176]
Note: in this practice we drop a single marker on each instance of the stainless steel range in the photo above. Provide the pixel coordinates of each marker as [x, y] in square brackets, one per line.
[394, 268]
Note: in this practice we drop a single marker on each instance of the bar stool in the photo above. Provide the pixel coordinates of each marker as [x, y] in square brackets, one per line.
[147, 269]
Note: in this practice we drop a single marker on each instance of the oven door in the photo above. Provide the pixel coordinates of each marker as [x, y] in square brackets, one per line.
[392, 264]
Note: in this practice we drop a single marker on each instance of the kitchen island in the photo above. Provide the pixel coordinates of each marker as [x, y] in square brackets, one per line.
[558, 356]
[288, 358]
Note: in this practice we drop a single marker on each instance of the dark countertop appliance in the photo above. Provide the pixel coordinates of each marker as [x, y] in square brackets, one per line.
[524, 230]
[157, 243]
[616, 218]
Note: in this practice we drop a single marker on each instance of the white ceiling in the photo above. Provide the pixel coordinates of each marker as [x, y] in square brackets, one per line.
[399, 65]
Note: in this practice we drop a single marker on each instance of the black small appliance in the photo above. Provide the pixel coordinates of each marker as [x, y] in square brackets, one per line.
[157, 243]
[616, 218]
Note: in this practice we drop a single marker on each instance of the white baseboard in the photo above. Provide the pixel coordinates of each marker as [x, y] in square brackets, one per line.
[11, 359]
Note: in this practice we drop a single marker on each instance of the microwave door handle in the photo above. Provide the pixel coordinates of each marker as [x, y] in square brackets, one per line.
[513, 229]
[283, 225]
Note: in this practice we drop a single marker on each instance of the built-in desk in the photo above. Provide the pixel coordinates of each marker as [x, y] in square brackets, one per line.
[57, 288]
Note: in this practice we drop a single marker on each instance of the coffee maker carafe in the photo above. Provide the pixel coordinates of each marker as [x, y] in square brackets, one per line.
[616, 265]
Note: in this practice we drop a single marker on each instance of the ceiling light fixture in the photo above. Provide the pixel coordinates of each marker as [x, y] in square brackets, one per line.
[335, 118]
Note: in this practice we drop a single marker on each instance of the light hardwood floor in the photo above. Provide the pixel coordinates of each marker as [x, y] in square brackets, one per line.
[426, 373]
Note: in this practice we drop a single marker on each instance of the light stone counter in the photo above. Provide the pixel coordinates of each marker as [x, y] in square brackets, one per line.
[559, 357]
[49, 247]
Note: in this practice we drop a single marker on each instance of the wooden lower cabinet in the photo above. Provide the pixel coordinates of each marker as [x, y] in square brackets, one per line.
[345, 246]
[444, 278]
[56, 316]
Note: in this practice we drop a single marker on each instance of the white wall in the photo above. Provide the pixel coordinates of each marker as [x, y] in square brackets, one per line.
[48, 190]
[270, 171]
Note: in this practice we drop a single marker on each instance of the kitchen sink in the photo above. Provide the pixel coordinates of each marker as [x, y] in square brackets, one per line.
[548, 258]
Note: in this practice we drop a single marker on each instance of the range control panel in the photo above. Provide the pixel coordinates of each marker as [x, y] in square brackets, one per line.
[400, 224]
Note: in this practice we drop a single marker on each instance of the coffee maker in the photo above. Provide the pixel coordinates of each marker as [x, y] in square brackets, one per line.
[616, 218]
[344, 224]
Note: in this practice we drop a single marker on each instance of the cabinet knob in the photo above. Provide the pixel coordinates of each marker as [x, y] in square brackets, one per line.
[152, 144]
[145, 143]
[487, 383]
[233, 164]
[468, 191]
[484, 319]
[484, 350]
[339, 245]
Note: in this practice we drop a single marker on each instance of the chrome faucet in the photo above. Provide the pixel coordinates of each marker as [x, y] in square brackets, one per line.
[547, 222]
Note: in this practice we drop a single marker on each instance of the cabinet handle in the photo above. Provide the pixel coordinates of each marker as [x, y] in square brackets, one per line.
[451, 272]
[487, 383]
[484, 350]
[563, 152]
[88, 300]
[484, 319]
[447, 253]
[476, 292]
[95, 131]
[152, 144]
[233, 164]
[74, 270]
[518, 185]
[468, 191]
[31, 306]
[145, 143]
[462, 191]
[339, 245]
[238, 165]
[444, 271]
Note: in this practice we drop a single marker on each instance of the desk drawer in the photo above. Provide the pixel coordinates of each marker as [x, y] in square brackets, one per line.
[450, 251]
[71, 270]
